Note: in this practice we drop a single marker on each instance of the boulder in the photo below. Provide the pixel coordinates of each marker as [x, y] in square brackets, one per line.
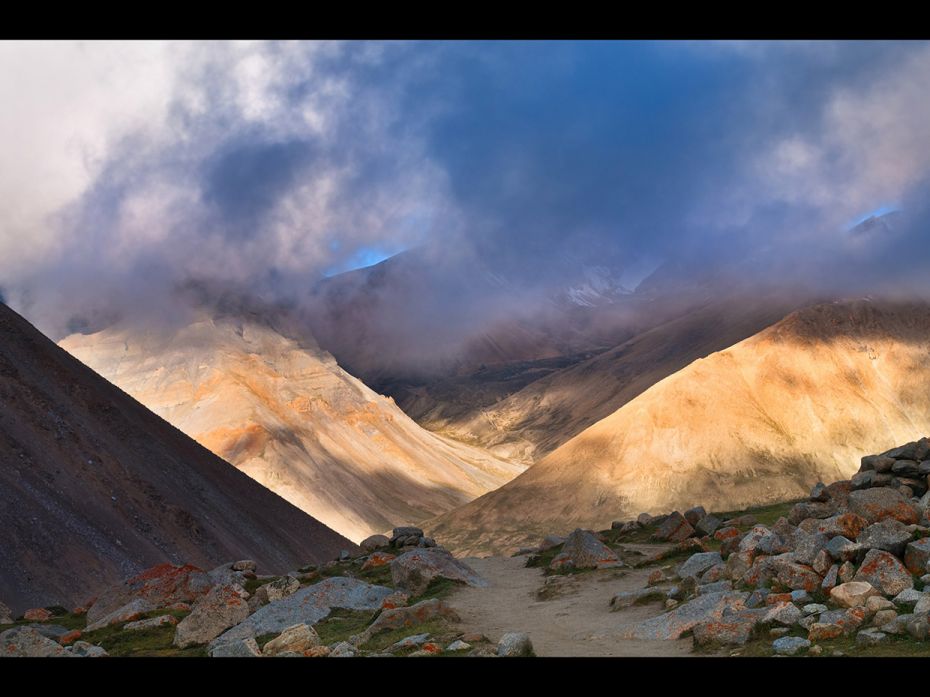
[885, 572]
[809, 509]
[83, 649]
[671, 625]
[151, 623]
[697, 564]
[413, 616]
[708, 525]
[158, 587]
[413, 571]
[298, 638]
[405, 536]
[852, 594]
[819, 493]
[694, 515]
[907, 598]
[870, 637]
[889, 535]
[376, 559]
[785, 614]
[862, 480]
[277, 589]
[373, 542]
[674, 529]
[342, 649]
[841, 549]
[751, 540]
[847, 572]
[132, 611]
[236, 648]
[878, 463]
[308, 606]
[37, 614]
[515, 644]
[735, 629]
[807, 546]
[849, 525]
[830, 579]
[27, 642]
[797, 576]
[458, 645]
[881, 503]
[790, 645]
[626, 599]
[917, 556]
[746, 520]
[223, 607]
[585, 551]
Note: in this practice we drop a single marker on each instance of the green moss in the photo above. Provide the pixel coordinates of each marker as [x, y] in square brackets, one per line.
[895, 646]
[440, 588]
[543, 559]
[341, 624]
[68, 621]
[379, 576]
[439, 630]
[253, 584]
[764, 515]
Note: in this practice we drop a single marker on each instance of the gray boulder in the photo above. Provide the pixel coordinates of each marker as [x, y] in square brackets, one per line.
[790, 645]
[223, 607]
[27, 642]
[308, 606]
[880, 503]
[413, 571]
[698, 563]
[277, 589]
[889, 535]
[515, 644]
[917, 556]
[373, 542]
[871, 637]
[83, 649]
[674, 529]
[708, 525]
[236, 648]
[587, 552]
[297, 639]
[885, 572]
[671, 625]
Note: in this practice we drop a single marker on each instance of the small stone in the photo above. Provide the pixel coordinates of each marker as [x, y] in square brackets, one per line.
[238, 648]
[778, 631]
[852, 593]
[39, 614]
[458, 645]
[815, 650]
[877, 602]
[83, 649]
[244, 565]
[813, 609]
[342, 649]
[674, 529]
[883, 617]
[907, 598]
[697, 564]
[695, 515]
[847, 572]
[515, 644]
[917, 556]
[298, 638]
[708, 525]
[373, 542]
[870, 637]
[790, 645]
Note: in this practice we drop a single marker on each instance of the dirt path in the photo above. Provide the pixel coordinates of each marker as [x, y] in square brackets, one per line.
[575, 621]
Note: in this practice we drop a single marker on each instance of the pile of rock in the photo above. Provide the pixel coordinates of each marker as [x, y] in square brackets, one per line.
[860, 547]
[400, 538]
[217, 611]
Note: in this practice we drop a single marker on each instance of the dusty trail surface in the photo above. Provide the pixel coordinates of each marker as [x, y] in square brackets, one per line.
[575, 620]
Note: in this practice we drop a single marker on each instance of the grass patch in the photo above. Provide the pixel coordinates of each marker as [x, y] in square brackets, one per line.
[378, 575]
[543, 559]
[435, 628]
[68, 621]
[157, 641]
[253, 584]
[896, 646]
[649, 598]
[764, 515]
[342, 623]
[440, 588]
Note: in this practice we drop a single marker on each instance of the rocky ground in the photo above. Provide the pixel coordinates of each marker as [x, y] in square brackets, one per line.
[845, 572]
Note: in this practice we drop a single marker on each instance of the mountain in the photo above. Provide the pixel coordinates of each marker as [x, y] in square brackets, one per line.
[550, 410]
[254, 389]
[94, 487]
[759, 422]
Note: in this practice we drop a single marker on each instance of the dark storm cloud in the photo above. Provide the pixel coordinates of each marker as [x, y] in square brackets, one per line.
[529, 160]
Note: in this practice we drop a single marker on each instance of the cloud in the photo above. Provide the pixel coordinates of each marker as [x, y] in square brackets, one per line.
[136, 166]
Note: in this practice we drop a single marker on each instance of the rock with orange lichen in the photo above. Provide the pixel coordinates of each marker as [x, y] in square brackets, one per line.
[156, 587]
[672, 625]
[885, 572]
[880, 503]
[308, 605]
[377, 559]
[27, 642]
[735, 629]
[221, 608]
[38, 614]
[415, 615]
[70, 637]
